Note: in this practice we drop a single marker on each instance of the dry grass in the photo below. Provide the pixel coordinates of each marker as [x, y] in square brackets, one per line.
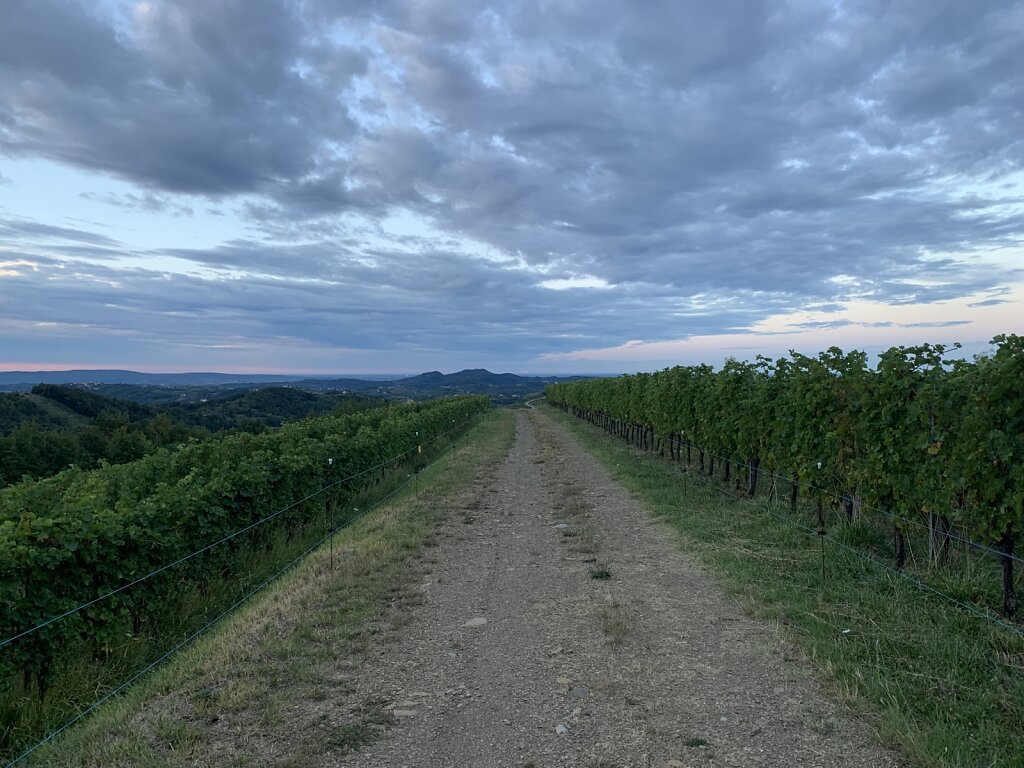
[614, 621]
[586, 542]
[573, 506]
[274, 679]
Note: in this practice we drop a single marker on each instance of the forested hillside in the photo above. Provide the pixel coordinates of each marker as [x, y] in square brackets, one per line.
[263, 408]
[176, 389]
[53, 427]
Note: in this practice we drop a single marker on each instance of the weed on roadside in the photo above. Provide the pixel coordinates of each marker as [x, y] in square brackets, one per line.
[614, 621]
[586, 542]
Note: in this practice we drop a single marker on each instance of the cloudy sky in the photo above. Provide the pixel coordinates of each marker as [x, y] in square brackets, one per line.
[549, 185]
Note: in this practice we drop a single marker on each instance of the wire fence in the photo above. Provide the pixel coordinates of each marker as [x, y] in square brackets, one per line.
[823, 534]
[328, 537]
[840, 498]
[709, 483]
[224, 539]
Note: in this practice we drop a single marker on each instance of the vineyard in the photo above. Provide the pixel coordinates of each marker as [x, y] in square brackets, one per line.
[101, 572]
[930, 445]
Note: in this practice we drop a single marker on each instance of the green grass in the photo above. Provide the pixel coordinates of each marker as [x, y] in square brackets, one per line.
[272, 669]
[86, 673]
[941, 684]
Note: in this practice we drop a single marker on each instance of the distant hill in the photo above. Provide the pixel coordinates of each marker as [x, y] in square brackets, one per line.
[91, 405]
[180, 388]
[502, 388]
[471, 377]
[86, 423]
[499, 386]
[52, 407]
[19, 407]
[44, 431]
[267, 407]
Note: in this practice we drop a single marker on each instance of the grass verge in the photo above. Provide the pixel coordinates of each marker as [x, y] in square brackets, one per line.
[944, 686]
[273, 682]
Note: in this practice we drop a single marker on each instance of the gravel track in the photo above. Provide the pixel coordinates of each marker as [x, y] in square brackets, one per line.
[520, 657]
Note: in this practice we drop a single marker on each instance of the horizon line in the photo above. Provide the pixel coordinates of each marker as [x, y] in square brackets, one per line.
[30, 368]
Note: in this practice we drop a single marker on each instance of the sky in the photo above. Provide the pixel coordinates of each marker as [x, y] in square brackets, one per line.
[537, 186]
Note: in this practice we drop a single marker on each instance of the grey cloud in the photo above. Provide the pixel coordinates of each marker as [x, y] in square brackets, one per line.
[689, 165]
[63, 41]
[17, 230]
[693, 41]
[824, 324]
[441, 300]
[987, 303]
[942, 324]
[144, 202]
[202, 98]
[717, 163]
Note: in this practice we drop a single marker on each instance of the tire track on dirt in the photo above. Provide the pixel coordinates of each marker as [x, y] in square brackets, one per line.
[562, 627]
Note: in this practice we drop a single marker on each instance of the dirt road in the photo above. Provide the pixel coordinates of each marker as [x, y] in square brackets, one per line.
[562, 627]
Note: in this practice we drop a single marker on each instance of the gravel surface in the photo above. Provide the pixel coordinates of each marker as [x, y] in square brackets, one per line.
[561, 626]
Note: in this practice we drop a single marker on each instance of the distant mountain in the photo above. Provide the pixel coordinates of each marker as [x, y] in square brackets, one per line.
[168, 388]
[476, 380]
[501, 388]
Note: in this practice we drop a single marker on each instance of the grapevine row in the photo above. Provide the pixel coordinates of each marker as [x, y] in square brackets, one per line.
[70, 538]
[935, 440]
